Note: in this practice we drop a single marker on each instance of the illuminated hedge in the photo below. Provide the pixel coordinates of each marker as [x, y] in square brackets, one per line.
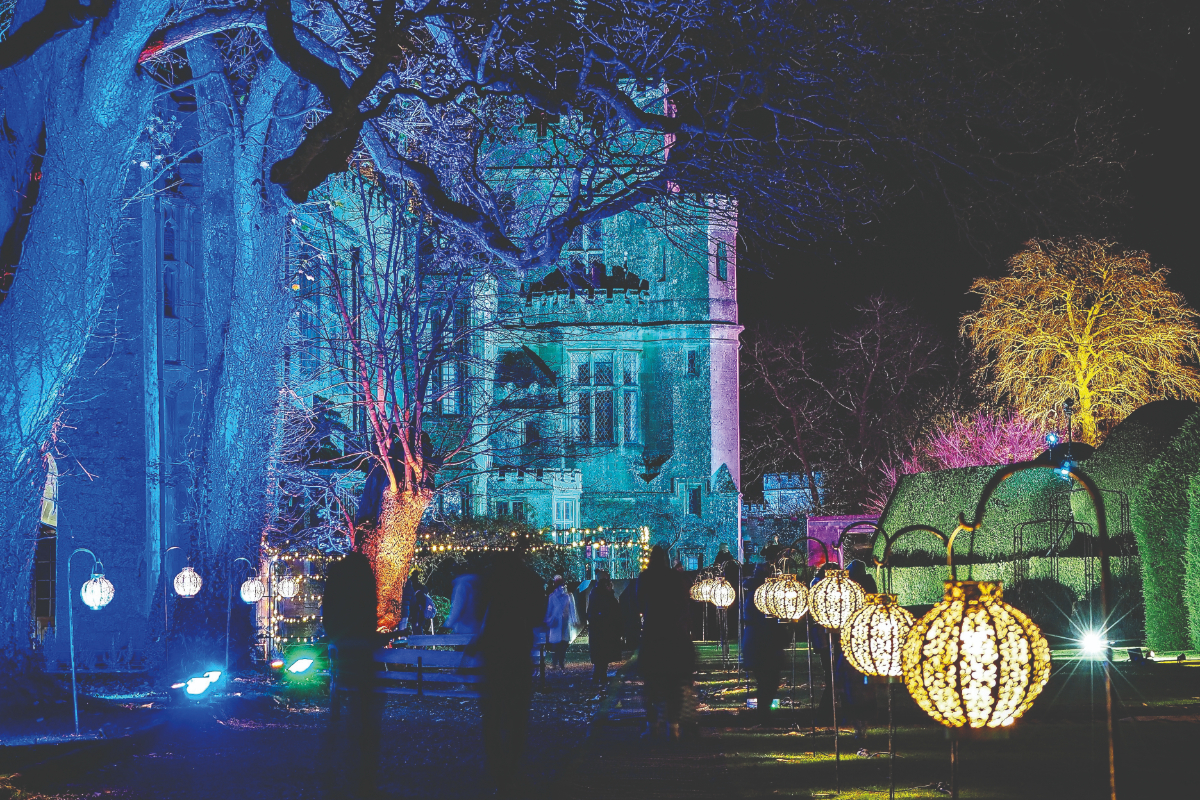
[1151, 458]
[936, 498]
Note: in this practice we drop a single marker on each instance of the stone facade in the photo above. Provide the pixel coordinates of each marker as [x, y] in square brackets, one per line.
[640, 324]
[124, 479]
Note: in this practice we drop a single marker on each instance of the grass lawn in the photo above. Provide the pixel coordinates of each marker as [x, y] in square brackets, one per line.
[1057, 751]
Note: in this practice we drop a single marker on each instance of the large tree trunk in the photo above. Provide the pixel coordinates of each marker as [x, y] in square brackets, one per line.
[83, 92]
[247, 310]
[391, 545]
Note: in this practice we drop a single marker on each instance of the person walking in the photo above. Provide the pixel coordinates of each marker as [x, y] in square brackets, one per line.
[512, 600]
[604, 628]
[560, 619]
[466, 615]
[763, 643]
[666, 659]
[348, 614]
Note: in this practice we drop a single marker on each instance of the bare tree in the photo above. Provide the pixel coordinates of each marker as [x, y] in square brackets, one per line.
[404, 335]
[848, 409]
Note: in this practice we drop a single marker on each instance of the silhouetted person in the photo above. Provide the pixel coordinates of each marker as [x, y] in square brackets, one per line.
[763, 642]
[631, 617]
[560, 621]
[604, 628]
[667, 658]
[348, 615]
[514, 605]
[466, 612]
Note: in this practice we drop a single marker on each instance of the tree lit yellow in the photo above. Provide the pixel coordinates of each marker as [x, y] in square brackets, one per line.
[1081, 319]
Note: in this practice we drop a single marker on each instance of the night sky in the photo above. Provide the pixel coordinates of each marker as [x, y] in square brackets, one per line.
[916, 253]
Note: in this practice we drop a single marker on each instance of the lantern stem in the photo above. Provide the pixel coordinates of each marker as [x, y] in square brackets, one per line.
[229, 606]
[954, 763]
[891, 690]
[71, 627]
[837, 752]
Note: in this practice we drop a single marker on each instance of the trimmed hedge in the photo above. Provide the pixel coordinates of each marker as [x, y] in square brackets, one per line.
[1152, 459]
[1120, 464]
[936, 498]
[924, 585]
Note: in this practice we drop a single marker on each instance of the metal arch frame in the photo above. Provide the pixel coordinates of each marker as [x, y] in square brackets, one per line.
[1096, 496]
[71, 623]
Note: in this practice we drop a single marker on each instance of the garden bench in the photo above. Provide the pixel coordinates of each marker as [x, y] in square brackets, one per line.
[418, 669]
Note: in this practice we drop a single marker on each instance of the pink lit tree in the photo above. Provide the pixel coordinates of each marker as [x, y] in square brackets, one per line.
[980, 438]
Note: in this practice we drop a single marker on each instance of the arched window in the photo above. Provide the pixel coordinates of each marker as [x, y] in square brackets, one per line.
[722, 261]
[170, 291]
[168, 241]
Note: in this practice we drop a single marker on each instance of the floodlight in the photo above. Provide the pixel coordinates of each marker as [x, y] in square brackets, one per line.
[300, 665]
[1093, 643]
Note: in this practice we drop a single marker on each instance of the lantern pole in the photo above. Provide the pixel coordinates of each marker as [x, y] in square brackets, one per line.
[1068, 470]
[166, 622]
[808, 634]
[229, 606]
[71, 626]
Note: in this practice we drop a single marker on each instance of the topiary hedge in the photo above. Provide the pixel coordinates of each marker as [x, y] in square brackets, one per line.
[936, 498]
[1151, 461]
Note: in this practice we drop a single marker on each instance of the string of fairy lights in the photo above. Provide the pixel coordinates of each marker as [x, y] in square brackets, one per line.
[286, 628]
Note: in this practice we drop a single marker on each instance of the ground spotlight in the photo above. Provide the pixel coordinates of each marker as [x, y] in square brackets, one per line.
[300, 665]
[1093, 643]
[197, 685]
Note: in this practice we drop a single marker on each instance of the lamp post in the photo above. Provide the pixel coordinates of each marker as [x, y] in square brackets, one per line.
[96, 593]
[229, 603]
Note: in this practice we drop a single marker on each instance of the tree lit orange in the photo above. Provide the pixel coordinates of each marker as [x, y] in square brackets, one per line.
[1082, 319]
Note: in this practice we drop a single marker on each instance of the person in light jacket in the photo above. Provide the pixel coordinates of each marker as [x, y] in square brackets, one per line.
[560, 619]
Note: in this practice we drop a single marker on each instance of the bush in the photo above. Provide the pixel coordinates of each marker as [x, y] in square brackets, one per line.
[937, 498]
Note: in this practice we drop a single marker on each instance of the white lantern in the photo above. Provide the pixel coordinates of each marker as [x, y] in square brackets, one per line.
[188, 582]
[721, 593]
[287, 587]
[97, 592]
[253, 590]
[835, 598]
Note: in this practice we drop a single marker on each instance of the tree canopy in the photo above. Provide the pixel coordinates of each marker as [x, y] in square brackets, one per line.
[1083, 320]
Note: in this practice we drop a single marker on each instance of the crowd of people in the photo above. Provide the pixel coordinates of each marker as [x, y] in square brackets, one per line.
[503, 608]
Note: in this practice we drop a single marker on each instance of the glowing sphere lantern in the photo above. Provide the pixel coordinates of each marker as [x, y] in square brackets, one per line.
[700, 589]
[253, 590]
[187, 582]
[784, 597]
[874, 636]
[835, 598]
[721, 593]
[760, 600]
[974, 660]
[287, 587]
[97, 592]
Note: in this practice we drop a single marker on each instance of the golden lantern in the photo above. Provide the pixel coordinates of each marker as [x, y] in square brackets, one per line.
[700, 590]
[835, 598]
[784, 597]
[874, 636]
[721, 593]
[974, 660]
[760, 600]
